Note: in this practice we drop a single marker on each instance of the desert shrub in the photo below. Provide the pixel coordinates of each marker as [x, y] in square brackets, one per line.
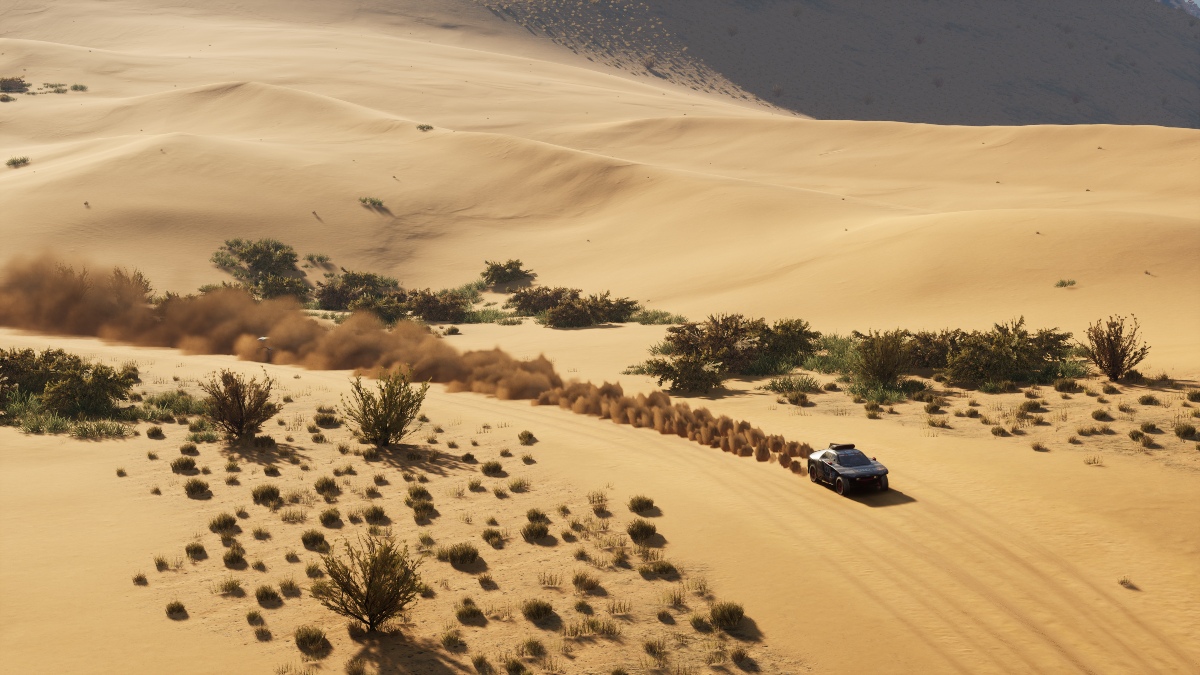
[266, 494]
[372, 584]
[195, 488]
[928, 349]
[195, 550]
[447, 305]
[173, 402]
[1184, 430]
[1148, 399]
[657, 317]
[502, 275]
[175, 609]
[16, 162]
[65, 384]
[698, 357]
[831, 354]
[726, 615]
[493, 537]
[582, 312]
[794, 384]
[314, 540]
[1007, 352]
[526, 438]
[13, 84]
[385, 417]
[459, 554]
[238, 406]
[1114, 348]
[879, 359]
[537, 610]
[584, 582]
[224, 523]
[267, 595]
[310, 639]
[535, 301]
[330, 517]
[235, 555]
[267, 267]
[326, 486]
[533, 532]
[640, 503]
[156, 433]
[374, 515]
[340, 292]
[491, 468]
[640, 530]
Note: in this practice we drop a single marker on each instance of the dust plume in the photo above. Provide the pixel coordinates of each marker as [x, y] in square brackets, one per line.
[48, 296]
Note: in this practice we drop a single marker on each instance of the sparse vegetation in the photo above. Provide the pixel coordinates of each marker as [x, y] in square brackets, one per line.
[373, 584]
[1114, 347]
[238, 406]
[384, 418]
[17, 162]
[726, 616]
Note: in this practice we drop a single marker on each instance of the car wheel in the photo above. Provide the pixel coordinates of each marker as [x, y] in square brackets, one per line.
[812, 473]
[883, 483]
[842, 486]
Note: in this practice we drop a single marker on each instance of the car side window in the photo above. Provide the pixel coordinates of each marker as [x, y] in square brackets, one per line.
[831, 457]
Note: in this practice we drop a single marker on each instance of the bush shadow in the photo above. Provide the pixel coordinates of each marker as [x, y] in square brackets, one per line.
[390, 651]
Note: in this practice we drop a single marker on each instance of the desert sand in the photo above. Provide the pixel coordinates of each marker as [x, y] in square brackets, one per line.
[694, 191]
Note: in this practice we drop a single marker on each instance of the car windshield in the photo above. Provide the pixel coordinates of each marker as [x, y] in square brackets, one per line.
[853, 458]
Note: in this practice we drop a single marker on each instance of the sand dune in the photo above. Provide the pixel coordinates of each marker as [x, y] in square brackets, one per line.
[685, 182]
[973, 62]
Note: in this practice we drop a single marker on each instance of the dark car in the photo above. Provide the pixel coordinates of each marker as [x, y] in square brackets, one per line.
[845, 468]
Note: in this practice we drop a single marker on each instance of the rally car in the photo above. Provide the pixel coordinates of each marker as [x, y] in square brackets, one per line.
[845, 468]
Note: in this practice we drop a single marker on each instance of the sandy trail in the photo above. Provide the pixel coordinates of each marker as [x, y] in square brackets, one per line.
[984, 558]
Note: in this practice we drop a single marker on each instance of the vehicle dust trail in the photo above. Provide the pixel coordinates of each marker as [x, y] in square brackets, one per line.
[50, 296]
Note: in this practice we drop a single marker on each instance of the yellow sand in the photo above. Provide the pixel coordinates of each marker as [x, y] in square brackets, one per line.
[205, 121]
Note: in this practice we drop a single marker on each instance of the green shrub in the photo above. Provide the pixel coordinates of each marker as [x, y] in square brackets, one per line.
[541, 299]
[267, 595]
[17, 162]
[505, 274]
[385, 417]
[1114, 348]
[879, 359]
[657, 317]
[447, 305]
[238, 406]
[373, 584]
[1007, 352]
[794, 383]
[267, 267]
[341, 292]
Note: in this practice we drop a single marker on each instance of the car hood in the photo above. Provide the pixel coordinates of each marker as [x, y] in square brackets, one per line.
[872, 469]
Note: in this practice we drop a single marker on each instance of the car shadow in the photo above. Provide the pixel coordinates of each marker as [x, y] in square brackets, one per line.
[890, 497]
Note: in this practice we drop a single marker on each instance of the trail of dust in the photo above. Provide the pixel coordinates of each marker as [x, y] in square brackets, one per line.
[50, 296]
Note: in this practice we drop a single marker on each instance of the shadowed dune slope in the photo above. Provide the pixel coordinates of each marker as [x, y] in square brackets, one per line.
[947, 62]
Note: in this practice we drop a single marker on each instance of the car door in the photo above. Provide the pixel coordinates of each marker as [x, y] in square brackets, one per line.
[828, 461]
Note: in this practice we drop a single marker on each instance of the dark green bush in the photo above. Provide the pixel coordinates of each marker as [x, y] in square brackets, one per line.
[449, 305]
[534, 301]
[700, 356]
[880, 359]
[1008, 352]
[267, 267]
[503, 275]
[339, 292]
[65, 383]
